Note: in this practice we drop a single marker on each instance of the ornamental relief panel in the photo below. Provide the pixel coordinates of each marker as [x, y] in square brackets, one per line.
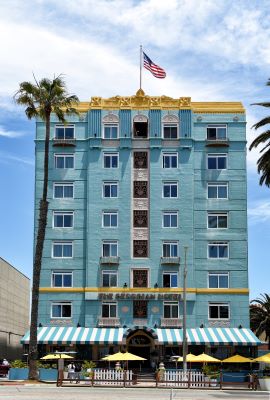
[219, 324]
[140, 234]
[140, 204]
[140, 189]
[140, 175]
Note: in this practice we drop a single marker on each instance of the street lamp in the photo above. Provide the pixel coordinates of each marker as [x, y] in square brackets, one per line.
[185, 347]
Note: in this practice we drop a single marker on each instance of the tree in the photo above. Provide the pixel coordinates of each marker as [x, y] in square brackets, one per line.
[263, 162]
[41, 100]
[260, 316]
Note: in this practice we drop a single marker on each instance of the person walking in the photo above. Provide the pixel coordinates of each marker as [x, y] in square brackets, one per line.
[71, 371]
[78, 369]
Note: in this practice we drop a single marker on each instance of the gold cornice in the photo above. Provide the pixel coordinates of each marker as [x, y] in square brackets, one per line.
[143, 290]
[141, 101]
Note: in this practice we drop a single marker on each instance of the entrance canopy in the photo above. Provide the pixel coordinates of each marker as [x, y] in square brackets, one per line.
[211, 336]
[70, 335]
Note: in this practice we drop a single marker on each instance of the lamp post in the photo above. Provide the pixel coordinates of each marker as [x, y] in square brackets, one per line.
[185, 313]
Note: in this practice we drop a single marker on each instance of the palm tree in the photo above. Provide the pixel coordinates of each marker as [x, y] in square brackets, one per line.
[263, 162]
[41, 100]
[260, 316]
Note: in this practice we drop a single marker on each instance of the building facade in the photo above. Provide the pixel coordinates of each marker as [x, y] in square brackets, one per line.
[14, 310]
[138, 187]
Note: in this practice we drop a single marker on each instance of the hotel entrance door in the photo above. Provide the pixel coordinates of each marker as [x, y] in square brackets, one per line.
[140, 345]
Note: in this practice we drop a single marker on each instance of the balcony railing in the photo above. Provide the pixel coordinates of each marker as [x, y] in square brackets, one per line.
[64, 142]
[102, 321]
[217, 142]
[109, 260]
[171, 322]
[170, 260]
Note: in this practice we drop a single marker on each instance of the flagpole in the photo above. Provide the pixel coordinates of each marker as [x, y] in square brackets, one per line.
[140, 66]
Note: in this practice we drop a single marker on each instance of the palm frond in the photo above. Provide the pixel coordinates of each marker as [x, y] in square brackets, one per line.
[261, 123]
[261, 138]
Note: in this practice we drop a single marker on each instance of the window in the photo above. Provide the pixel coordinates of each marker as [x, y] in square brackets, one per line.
[170, 219]
[217, 161]
[63, 190]
[170, 131]
[62, 250]
[110, 189]
[63, 219]
[62, 279]
[109, 310]
[217, 190]
[110, 219]
[218, 280]
[170, 160]
[110, 160]
[170, 249]
[170, 189]
[61, 310]
[140, 309]
[219, 311]
[217, 132]
[64, 161]
[109, 278]
[110, 131]
[170, 126]
[140, 127]
[217, 221]
[170, 279]
[109, 248]
[140, 278]
[64, 132]
[170, 309]
[218, 250]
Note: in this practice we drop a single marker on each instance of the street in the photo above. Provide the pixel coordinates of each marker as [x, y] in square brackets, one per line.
[49, 392]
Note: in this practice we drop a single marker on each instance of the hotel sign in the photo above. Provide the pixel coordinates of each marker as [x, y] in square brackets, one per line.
[139, 296]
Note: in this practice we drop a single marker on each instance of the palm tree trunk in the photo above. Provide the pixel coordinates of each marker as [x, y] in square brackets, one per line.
[42, 223]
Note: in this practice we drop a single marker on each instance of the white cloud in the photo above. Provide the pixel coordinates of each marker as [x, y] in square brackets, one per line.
[259, 212]
[10, 134]
[7, 158]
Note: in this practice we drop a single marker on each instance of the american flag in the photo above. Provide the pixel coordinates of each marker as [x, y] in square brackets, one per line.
[153, 68]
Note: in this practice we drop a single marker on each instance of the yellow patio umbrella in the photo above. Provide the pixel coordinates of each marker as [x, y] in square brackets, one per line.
[55, 356]
[190, 358]
[123, 357]
[237, 359]
[204, 358]
[265, 358]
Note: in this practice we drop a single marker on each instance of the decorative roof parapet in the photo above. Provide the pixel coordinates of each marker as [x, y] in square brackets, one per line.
[141, 101]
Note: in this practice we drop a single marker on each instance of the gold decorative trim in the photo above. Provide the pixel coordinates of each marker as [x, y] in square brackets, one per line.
[143, 290]
[141, 101]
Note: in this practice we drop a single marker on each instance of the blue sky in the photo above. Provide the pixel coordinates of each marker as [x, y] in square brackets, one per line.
[211, 50]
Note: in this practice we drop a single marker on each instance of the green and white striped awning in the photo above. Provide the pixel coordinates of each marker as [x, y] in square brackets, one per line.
[70, 335]
[211, 336]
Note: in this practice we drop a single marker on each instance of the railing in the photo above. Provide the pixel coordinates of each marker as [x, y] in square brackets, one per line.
[108, 321]
[109, 260]
[64, 142]
[112, 377]
[217, 142]
[171, 322]
[170, 260]
[184, 379]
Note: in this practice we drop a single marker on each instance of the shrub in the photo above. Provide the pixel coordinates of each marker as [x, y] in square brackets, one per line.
[18, 364]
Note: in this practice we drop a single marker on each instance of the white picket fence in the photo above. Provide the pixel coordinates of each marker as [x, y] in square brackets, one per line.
[112, 377]
[172, 378]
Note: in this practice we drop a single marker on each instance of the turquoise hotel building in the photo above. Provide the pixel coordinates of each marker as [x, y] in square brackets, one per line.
[137, 186]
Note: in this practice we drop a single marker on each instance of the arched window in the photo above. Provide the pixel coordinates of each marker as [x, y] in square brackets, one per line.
[140, 127]
[170, 127]
[110, 126]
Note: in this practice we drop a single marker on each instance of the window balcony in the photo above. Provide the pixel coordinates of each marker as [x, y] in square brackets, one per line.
[171, 322]
[64, 142]
[103, 321]
[109, 260]
[217, 142]
[170, 260]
